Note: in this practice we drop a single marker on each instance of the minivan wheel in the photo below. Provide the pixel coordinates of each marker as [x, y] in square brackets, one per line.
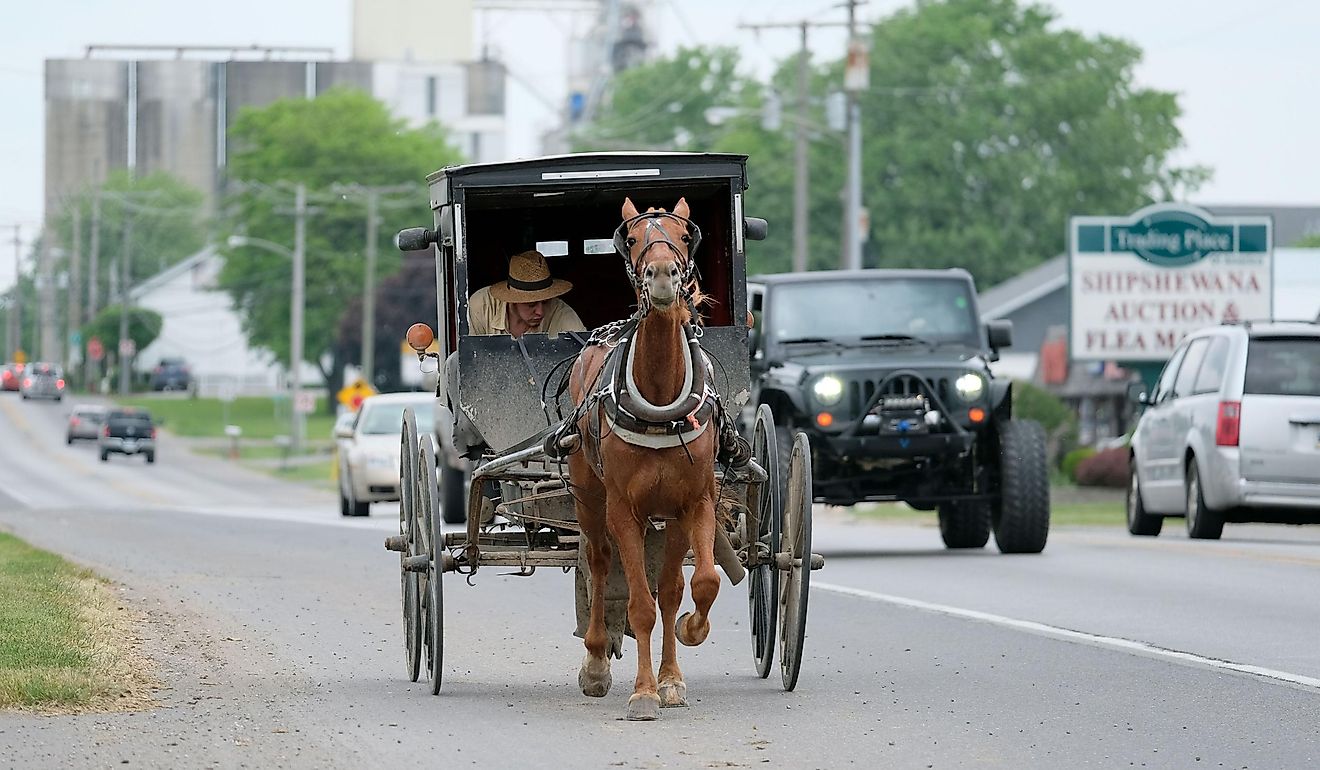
[1202, 522]
[1138, 521]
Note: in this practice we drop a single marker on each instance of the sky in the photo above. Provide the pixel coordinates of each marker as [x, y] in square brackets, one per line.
[1245, 73]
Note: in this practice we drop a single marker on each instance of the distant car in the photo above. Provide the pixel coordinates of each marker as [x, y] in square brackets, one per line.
[369, 449]
[42, 381]
[11, 377]
[1231, 431]
[129, 432]
[171, 374]
[85, 422]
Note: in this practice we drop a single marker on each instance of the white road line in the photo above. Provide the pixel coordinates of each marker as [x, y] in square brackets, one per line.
[1097, 640]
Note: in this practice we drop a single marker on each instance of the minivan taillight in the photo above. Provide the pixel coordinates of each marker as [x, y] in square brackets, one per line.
[1229, 424]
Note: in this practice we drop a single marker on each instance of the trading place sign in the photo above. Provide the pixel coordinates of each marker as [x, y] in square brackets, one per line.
[1140, 283]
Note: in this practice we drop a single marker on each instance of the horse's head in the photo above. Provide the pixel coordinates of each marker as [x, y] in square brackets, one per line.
[659, 246]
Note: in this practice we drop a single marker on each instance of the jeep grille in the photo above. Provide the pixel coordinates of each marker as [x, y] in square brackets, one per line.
[860, 392]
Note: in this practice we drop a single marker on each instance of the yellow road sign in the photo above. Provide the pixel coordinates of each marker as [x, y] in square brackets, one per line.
[353, 394]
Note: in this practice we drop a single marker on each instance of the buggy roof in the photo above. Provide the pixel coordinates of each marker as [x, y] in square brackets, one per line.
[595, 167]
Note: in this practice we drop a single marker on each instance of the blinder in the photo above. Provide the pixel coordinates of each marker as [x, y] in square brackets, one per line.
[692, 239]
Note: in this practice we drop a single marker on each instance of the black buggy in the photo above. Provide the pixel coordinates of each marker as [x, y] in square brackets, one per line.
[497, 400]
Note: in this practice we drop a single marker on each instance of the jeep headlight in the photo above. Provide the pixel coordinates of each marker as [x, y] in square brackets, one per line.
[970, 386]
[828, 390]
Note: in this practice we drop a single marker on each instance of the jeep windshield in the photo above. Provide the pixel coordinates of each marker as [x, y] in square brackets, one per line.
[890, 311]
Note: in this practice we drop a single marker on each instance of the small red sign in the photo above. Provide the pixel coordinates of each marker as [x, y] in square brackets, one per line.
[95, 350]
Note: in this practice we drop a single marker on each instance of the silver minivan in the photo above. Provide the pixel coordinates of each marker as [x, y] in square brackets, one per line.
[1231, 431]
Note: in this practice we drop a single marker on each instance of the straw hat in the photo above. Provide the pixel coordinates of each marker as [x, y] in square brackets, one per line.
[529, 280]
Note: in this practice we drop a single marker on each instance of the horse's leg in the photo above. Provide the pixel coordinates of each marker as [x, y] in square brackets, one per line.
[631, 541]
[673, 691]
[694, 626]
[594, 676]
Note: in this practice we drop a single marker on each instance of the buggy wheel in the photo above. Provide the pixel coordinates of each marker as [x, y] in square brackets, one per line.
[795, 560]
[761, 533]
[429, 517]
[408, 528]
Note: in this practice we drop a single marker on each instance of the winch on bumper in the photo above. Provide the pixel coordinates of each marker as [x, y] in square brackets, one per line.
[902, 426]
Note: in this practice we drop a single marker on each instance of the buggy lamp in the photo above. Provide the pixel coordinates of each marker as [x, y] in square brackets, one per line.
[969, 386]
[828, 390]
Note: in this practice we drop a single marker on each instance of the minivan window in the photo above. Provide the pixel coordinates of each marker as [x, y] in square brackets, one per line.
[1165, 385]
[1212, 369]
[1191, 366]
[1283, 366]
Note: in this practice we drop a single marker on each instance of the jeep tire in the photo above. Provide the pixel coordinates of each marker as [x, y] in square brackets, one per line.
[965, 524]
[1022, 511]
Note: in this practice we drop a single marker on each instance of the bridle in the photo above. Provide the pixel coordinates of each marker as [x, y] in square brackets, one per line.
[655, 235]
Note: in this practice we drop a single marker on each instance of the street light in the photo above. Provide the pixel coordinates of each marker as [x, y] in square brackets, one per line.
[295, 323]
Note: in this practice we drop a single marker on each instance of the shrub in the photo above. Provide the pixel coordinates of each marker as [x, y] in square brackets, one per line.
[1108, 468]
[1073, 459]
[1032, 402]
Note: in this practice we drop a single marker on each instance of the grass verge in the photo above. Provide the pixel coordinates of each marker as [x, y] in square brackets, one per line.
[318, 474]
[260, 418]
[1065, 513]
[65, 642]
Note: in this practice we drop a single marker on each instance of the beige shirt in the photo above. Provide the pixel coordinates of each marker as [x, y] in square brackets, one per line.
[487, 315]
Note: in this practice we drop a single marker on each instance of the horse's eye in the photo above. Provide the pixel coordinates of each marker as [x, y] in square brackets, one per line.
[687, 239]
[631, 242]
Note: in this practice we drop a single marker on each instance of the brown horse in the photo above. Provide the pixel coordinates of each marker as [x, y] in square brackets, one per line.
[643, 480]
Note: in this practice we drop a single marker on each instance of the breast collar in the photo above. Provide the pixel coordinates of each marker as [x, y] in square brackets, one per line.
[637, 421]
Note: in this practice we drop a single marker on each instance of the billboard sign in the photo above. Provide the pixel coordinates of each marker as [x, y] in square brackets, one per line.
[1140, 283]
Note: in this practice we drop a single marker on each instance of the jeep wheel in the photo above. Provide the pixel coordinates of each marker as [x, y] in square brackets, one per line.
[965, 524]
[1138, 521]
[1022, 512]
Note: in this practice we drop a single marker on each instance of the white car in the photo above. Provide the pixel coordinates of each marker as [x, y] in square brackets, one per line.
[1232, 431]
[369, 449]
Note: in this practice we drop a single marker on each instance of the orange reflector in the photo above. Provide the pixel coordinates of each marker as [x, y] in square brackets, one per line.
[977, 414]
[824, 419]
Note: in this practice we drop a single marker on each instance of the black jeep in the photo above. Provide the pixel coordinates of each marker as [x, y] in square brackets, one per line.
[888, 372]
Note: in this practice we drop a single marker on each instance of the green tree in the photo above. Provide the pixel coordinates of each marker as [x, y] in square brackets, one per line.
[144, 327]
[164, 216]
[1311, 241]
[340, 139]
[987, 126]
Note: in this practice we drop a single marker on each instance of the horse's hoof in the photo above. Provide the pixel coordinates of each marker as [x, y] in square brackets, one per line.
[673, 695]
[685, 634]
[594, 677]
[643, 707]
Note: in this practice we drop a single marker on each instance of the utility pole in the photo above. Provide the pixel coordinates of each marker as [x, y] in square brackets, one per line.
[47, 335]
[90, 367]
[296, 316]
[13, 335]
[801, 168]
[369, 290]
[125, 296]
[856, 71]
[73, 300]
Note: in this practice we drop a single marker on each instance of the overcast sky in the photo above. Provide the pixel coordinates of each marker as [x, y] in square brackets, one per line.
[1246, 72]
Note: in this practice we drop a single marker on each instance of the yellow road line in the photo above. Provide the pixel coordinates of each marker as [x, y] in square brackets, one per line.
[20, 421]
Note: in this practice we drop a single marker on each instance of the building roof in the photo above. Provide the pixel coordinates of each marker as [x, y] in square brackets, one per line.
[1291, 223]
[182, 267]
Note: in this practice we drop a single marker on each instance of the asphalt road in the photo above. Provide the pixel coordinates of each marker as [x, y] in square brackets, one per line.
[275, 625]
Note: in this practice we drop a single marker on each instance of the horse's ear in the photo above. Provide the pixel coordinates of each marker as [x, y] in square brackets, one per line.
[629, 210]
[681, 208]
